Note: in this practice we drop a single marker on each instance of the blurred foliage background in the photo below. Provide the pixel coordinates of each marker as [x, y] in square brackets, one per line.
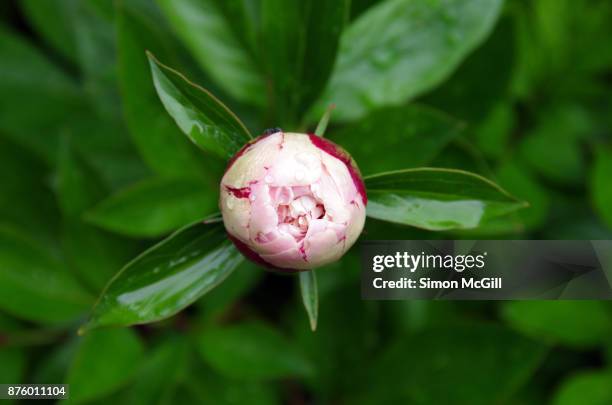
[93, 171]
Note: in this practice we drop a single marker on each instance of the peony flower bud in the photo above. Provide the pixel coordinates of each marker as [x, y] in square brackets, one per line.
[292, 202]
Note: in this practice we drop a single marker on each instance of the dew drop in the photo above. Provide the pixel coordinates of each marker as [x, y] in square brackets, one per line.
[252, 197]
[309, 160]
[299, 175]
[230, 203]
[268, 179]
[198, 125]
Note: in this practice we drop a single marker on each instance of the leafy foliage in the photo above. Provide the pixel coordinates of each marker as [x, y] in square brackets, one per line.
[251, 350]
[469, 118]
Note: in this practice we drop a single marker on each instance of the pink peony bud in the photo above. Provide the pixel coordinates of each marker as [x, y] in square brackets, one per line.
[292, 202]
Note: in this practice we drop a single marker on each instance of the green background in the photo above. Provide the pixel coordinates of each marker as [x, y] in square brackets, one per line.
[94, 171]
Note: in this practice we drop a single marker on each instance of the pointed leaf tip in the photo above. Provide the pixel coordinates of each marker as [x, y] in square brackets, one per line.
[206, 121]
[322, 126]
[310, 296]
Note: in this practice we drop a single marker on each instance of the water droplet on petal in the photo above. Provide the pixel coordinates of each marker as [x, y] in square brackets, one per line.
[230, 203]
[252, 197]
[307, 159]
[299, 175]
[268, 179]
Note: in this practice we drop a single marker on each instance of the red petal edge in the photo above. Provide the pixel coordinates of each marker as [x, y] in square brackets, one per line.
[336, 151]
[253, 256]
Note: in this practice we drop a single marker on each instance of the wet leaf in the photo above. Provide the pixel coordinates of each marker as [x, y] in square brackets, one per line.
[167, 277]
[200, 115]
[399, 49]
[437, 199]
[229, 293]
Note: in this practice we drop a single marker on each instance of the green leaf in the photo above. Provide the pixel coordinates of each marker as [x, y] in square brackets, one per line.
[493, 133]
[154, 207]
[481, 80]
[160, 143]
[106, 146]
[461, 354]
[9, 324]
[93, 254]
[559, 45]
[251, 350]
[36, 96]
[229, 293]
[359, 6]
[38, 217]
[582, 226]
[222, 37]
[55, 363]
[575, 323]
[96, 53]
[159, 377]
[34, 285]
[202, 117]
[521, 183]
[167, 277]
[436, 199]
[587, 387]
[299, 44]
[51, 19]
[324, 121]
[78, 186]
[399, 49]
[13, 362]
[601, 191]
[347, 333]
[565, 165]
[105, 360]
[397, 138]
[558, 136]
[461, 154]
[310, 296]
[203, 386]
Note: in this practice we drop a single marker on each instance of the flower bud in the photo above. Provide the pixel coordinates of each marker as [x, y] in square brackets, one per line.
[292, 202]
